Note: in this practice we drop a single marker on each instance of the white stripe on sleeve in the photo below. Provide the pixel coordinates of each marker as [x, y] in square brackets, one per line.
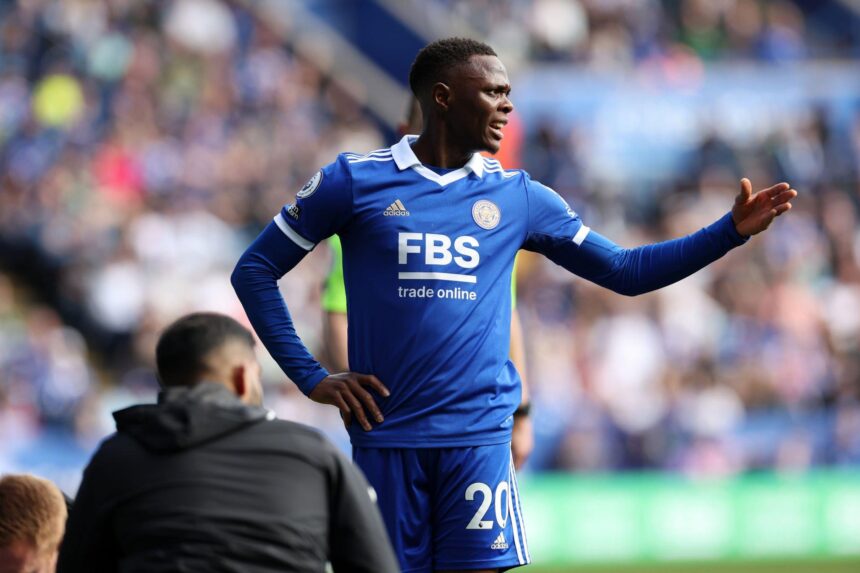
[291, 233]
[580, 235]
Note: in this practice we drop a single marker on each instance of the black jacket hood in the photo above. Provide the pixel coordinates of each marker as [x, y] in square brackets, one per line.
[185, 417]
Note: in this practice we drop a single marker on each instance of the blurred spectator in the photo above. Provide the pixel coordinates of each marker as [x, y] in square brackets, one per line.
[32, 522]
[609, 34]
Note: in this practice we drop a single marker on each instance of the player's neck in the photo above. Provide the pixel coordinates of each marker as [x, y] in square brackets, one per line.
[433, 147]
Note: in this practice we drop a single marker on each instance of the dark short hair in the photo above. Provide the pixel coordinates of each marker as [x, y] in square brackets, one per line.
[435, 59]
[180, 355]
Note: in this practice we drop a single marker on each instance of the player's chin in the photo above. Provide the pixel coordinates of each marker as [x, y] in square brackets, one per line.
[492, 145]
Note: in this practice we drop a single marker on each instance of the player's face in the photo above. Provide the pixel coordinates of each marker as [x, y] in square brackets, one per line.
[21, 557]
[480, 104]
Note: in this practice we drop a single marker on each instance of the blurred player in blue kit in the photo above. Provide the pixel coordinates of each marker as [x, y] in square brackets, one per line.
[430, 230]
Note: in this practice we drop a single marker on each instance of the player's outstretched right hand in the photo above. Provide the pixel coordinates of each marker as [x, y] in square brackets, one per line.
[347, 392]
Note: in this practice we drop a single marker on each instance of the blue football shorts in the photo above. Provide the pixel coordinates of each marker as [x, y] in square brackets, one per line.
[448, 508]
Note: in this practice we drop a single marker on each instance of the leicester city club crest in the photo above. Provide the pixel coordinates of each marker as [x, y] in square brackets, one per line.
[310, 186]
[486, 214]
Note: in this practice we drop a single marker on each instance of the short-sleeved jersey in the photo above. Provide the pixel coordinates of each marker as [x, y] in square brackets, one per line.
[427, 262]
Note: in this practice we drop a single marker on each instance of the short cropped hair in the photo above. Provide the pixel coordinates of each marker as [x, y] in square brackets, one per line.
[32, 510]
[183, 347]
[435, 59]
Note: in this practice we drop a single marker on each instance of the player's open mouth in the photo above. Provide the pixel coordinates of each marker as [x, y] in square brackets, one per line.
[496, 129]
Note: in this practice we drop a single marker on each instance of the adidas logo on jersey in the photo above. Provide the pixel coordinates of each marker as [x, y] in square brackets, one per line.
[500, 542]
[396, 209]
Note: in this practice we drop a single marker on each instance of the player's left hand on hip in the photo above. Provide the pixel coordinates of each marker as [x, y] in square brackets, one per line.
[753, 213]
[347, 391]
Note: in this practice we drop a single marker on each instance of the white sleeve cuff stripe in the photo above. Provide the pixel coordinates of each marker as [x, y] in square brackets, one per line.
[291, 233]
[580, 235]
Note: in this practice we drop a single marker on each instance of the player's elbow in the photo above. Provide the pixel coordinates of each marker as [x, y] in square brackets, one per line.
[238, 278]
[251, 272]
[620, 282]
[626, 278]
[628, 290]
[634, 287]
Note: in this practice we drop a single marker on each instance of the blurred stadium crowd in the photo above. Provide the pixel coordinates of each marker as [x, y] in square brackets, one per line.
[142, 147]
[621, 34]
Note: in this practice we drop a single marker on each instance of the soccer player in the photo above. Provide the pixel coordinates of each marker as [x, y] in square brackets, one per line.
[430, 230]
[335, 323]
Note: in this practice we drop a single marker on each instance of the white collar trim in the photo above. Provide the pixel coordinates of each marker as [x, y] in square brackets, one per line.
[405, 158]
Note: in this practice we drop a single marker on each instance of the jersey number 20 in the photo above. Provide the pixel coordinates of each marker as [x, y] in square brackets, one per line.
[501, 505]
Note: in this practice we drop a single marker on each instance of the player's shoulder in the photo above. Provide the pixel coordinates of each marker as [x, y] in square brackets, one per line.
[372, 159]
[345, 167]
[533, 185]
[534, 190]
[493, 169]
[360, 167]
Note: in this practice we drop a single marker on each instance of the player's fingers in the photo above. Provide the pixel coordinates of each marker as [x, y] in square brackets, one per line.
[784, 197]
[746, 192]
[768, 219]
[346, 421]
[356, 409]
[780, 209]
[345, 412]
[366, 399]
[775, 190]
[373, 382]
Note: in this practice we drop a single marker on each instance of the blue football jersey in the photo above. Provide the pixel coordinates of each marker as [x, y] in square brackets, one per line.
[427, 261]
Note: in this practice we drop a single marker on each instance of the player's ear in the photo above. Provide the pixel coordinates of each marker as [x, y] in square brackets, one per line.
[441, 95]
[239, 380]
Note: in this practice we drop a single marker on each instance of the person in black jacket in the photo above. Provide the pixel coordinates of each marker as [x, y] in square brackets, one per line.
[208, 480]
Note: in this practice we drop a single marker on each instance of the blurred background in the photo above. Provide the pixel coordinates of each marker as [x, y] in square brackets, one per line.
[713, 425]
